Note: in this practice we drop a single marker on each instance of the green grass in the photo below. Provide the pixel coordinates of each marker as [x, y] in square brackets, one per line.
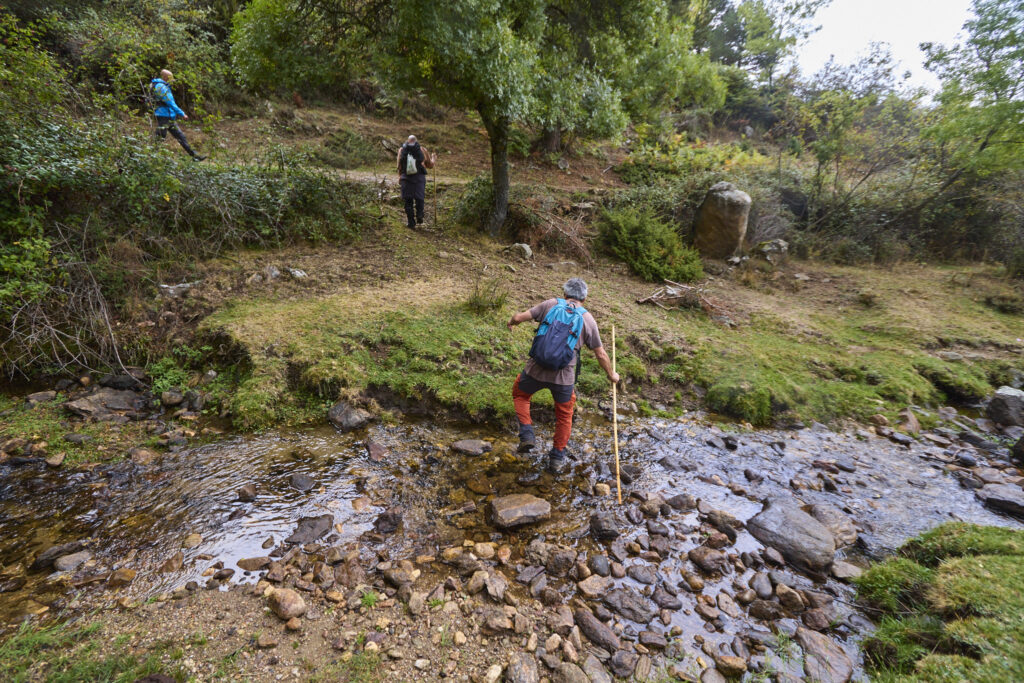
[959, 618]
[363, 667]
[369, 599]
[49, 422]
[63, 653]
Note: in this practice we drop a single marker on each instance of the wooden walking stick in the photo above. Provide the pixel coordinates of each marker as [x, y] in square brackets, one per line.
[615, 423]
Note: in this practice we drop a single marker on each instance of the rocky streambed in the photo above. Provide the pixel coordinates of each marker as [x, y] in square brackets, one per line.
[729, 556]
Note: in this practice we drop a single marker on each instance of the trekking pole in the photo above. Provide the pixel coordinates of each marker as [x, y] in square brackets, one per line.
[615, 423]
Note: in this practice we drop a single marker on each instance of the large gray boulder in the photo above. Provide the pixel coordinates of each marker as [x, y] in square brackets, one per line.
[1006, 407]
[722, 221]
[800, 538]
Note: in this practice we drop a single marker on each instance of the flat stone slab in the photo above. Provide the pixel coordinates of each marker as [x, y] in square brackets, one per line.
[471, 447]
[519, 509]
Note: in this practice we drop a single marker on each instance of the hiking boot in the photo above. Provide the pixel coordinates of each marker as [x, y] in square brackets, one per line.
[527, 441]
[557, 462]
[198, 157]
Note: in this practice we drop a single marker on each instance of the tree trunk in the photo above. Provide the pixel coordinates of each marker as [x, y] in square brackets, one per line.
[497, 131]
[551, 140]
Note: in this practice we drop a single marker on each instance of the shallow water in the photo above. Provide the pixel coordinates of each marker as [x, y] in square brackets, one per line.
[138, 516]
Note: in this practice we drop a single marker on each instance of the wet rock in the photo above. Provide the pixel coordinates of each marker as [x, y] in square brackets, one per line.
[711, 675]
[1017, 453]
[706, 611]
[595, 670]
[560, 562]
[247, 493]
[652, 640]
[817, 619]
[347, 418]
[561, 620]
[836, 521]
[710, 560]
[376, 451]
[388, 521]
[45, 559]
[598, 564]
[471, 447]
[629, 472]
[301, 481]
[192, 541]
[824, 660]
[121, 382]
[789, 598]
[518, 509]
[901, 438]
[665, 600]
[682, 502]
[252, 564]
[800, 538]
[286, 603]
[765, 610]
[762, 585]
[596, 631]
[630, 604]
[642, 573]
[310, 529]
[1003, 497]
[623, 663]
[731, 666]
[173, 563]
[595, 586]
[727, 605]
[349, 573]
[67, 563]
[1006, 407]
[844, 571]
[522, 668]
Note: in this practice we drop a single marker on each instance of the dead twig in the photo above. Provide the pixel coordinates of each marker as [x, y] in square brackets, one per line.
[677, 296]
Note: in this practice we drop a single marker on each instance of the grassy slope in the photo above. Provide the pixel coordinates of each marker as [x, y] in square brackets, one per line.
[810, 350]
[953, 605]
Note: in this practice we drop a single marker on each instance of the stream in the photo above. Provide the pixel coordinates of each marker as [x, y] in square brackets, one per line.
[136, 516]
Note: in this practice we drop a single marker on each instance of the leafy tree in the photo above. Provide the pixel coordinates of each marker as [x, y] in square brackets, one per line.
[979, 125]
[773, 28]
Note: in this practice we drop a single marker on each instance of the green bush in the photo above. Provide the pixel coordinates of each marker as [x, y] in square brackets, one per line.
[474, 203]
[653, 250]
[741, 400]
[1015, 264]
[346, 148]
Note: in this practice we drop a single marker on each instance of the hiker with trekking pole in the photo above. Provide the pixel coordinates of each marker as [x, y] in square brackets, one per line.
[413, 162]
[565, 326]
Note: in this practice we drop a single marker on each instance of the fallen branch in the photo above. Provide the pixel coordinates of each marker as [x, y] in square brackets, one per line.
[677, 296]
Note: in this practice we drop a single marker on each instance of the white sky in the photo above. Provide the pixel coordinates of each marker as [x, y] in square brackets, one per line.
[848, 26]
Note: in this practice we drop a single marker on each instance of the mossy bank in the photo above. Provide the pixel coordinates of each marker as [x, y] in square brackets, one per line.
[416, 322]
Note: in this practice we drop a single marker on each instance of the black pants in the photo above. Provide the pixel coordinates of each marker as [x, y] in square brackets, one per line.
[414, 190]
[166, 125]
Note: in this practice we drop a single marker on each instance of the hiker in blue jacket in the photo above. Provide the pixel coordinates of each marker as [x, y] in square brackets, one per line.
[167, 110]
[565, 326]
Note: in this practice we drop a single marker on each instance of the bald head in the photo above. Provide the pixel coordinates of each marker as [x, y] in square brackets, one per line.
[411, 140]
[166, 75]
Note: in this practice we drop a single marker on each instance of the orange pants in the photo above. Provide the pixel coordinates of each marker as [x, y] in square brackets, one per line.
[563, 410]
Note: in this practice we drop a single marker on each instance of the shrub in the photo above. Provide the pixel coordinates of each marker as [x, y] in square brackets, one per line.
[741, 400]
[474, 203]
[894, 585]
[1015, 264]
[653, 250]
[346, 148]
[487, 295]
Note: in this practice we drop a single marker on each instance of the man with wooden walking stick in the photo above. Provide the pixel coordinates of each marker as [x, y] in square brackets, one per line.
[565, 326]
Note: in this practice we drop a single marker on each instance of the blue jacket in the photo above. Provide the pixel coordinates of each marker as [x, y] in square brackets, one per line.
[166, 106]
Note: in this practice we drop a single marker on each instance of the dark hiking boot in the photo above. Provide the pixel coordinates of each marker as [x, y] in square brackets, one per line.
[198, 157]
[527, 441]
[558, 463]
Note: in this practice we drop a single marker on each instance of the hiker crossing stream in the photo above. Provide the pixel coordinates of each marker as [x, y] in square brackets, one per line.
[678, 569]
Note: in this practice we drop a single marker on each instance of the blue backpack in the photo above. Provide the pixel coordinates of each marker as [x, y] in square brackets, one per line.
[554, 345]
